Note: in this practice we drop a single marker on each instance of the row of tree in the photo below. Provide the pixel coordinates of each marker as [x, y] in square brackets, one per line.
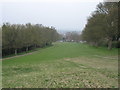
[102, 25]
[18, 37]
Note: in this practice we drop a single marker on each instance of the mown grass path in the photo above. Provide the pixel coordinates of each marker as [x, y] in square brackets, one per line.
[67, 65]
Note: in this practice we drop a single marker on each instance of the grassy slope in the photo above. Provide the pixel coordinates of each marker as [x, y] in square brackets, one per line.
[63, 65]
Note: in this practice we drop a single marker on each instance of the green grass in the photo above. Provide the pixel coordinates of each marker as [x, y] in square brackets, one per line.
[0, 74]
[66, 65]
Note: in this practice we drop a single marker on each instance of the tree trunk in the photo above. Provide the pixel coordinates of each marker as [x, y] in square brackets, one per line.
[96, 44]
[15, 51]
[110, 45]
[26, 49]
[35, 45]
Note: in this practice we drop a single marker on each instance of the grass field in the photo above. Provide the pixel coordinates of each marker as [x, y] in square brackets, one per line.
[66, 65]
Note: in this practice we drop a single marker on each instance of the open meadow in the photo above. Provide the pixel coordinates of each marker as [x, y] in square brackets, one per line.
[63, 65]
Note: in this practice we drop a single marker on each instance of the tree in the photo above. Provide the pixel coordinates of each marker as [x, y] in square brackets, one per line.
[102, 25]
[93, 32]
[110, 9]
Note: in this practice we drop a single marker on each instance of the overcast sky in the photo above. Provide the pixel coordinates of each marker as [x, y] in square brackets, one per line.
[65, 15]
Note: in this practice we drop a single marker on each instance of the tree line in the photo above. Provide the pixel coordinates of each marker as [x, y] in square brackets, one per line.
[19, 37]
[102, 26]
